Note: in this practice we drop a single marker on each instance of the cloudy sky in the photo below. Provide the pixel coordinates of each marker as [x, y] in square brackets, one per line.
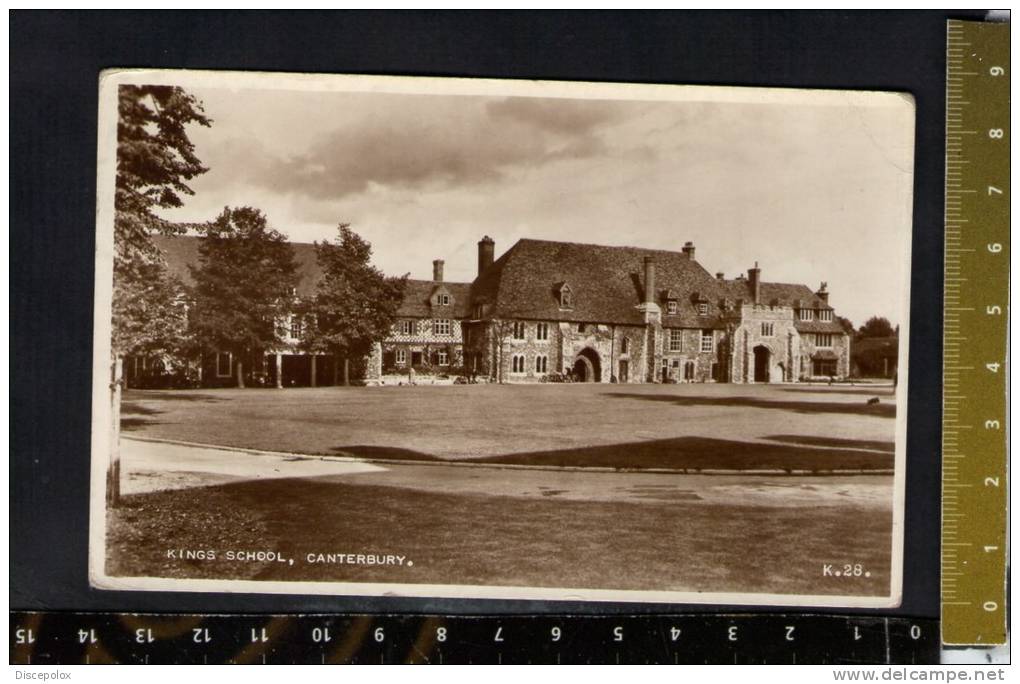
[813, 188]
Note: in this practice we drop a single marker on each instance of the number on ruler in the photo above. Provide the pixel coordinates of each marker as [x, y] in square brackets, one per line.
[993, 310]
[995, 133]
[992, 190]
[996, 71]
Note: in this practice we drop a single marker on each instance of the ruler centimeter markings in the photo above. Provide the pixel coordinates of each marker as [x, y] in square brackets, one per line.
[975, 328]
[769, 638]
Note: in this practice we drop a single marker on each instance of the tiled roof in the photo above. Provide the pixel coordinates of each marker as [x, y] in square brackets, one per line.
[607, 284]
[785, 294]
[418, 295]
[180, 251]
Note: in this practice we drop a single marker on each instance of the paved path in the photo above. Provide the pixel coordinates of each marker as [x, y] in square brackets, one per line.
[155, 466]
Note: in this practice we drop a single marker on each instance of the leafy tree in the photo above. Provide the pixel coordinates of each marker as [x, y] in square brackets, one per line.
[155, 160]
[354, 306]
[876, 326]
[846, 324]
[152, 314]
[244, 286]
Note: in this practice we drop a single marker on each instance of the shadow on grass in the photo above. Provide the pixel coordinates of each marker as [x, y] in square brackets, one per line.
[682, 453]
[877, 391]
[836, 442]
[135, 412]
[134, 416]
[462, 539]
[169, 395]
[884, 410]
[395, 453]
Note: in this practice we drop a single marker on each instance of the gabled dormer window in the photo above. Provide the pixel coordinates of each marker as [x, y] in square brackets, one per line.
[805, 314]
[671, 307]
[443, 299]
[825, 315]
[702, 308]
[566, 297]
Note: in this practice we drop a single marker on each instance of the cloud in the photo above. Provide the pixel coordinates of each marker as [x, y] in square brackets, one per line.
[415, 147]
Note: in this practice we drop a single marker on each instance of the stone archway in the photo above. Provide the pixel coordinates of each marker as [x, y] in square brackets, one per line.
[587, 366]
[762, 359]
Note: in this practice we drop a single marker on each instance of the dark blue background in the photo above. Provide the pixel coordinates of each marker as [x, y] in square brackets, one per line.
[56, 58]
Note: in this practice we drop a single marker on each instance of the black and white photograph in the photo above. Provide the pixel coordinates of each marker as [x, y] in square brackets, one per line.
[436, 337]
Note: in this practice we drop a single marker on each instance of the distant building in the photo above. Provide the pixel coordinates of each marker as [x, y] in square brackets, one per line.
[613, 314]
[547, 310]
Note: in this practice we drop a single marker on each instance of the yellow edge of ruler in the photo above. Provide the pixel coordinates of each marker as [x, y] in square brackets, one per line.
[975, 329]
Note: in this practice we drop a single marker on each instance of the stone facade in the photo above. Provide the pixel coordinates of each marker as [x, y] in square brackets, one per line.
[694, 328]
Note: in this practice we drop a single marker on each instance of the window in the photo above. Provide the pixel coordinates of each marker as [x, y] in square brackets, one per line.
[518, 330]
[625, 345]
[821, 367]
[823, 340]
[768, 329]
[805, 314]
[224, 360]
[518, 363]
[297, 327]
[825, 315]
[582, 327]
[444, 299]
[702, 309]
[707, 341]
[443, 357]
[542, 332]
[671, 307]
[541, 363]
[401, 356]
[442, 326]
[406, 327]
[676, 340]
[566, 298]
[689, 370]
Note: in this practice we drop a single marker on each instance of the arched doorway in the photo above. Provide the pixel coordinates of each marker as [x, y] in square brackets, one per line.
[587, 366]
[761, 364]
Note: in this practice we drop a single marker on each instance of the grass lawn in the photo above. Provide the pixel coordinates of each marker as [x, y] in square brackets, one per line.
[493, 540]
[626, 426]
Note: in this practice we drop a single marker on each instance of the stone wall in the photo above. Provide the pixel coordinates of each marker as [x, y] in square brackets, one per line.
[783, 344]
[672, 364]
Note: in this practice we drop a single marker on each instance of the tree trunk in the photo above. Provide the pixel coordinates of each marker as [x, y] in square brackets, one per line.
[336, 368]
[240, 374]
[113, 469]
[347, 371]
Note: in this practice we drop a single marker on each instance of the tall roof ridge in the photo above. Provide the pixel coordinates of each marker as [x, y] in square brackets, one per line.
[595, 244]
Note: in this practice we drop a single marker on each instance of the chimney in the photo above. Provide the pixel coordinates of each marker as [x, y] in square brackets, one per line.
[689, 250]
[486, 251]
[437, 270]
[823, 292]
[649, 280]
[754, 280]
[719, 275]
